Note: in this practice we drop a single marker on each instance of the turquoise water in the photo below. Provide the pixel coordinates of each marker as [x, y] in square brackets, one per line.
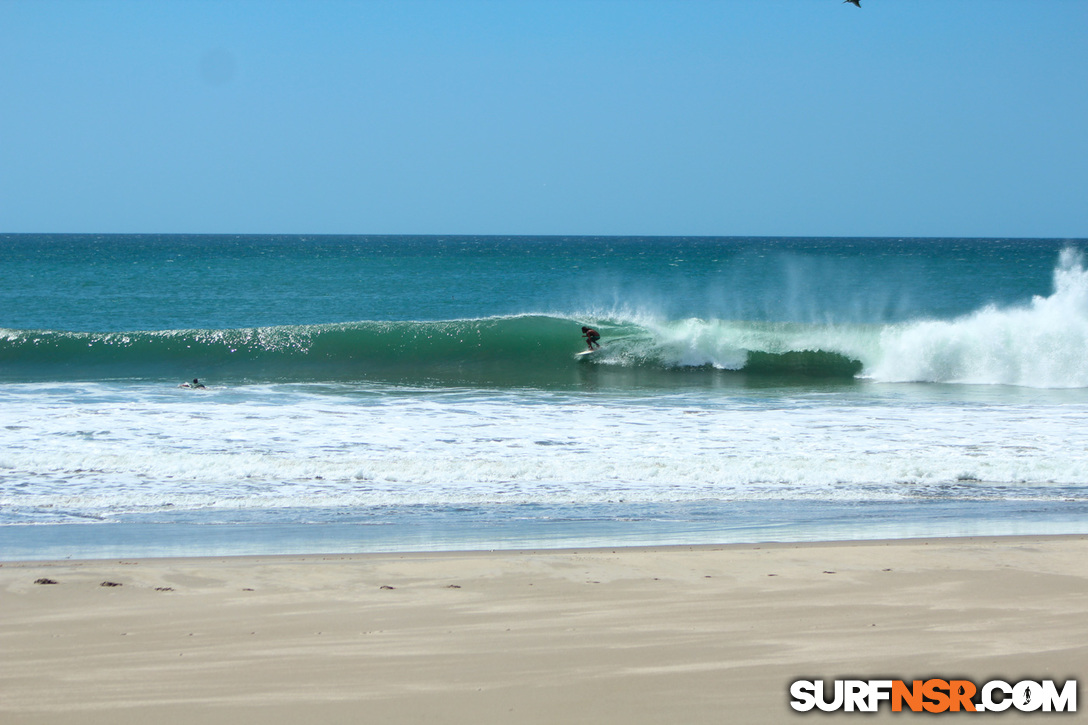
[369, 393]
[123, 283]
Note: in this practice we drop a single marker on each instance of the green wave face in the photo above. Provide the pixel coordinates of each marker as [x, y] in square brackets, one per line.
[529, 350]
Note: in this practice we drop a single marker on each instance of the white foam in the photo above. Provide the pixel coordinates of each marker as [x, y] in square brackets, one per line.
[100, 449]
[1043, 344]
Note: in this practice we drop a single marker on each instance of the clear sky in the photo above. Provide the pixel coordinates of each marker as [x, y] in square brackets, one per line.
[625, 117]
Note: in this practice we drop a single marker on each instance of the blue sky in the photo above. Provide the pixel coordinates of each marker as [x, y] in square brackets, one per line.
[655, 117]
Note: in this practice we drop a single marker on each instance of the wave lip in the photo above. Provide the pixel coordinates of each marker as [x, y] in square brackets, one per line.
[288, 353]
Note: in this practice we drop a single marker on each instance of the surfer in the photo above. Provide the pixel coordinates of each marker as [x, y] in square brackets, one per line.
[195, 384]
[591, 336]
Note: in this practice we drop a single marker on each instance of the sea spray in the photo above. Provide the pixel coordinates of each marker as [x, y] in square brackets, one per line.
[1041, 344]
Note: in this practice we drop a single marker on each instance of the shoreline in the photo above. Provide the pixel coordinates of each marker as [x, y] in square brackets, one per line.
[545, 550]
[515, 527]
[641, 634]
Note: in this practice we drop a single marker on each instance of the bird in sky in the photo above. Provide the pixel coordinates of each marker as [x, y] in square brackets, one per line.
[855, 2]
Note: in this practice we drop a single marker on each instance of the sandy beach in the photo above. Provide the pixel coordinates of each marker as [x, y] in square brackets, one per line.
[642, 635]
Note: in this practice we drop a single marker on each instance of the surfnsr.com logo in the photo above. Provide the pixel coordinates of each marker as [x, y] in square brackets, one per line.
[934, 695]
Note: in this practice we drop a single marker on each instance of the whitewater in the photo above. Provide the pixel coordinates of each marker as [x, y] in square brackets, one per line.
[748, 390]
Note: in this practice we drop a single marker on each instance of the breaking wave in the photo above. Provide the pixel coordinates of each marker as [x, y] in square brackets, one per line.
[1039, 344]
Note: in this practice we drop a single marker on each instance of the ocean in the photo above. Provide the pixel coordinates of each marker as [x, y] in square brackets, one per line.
[384, 393]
